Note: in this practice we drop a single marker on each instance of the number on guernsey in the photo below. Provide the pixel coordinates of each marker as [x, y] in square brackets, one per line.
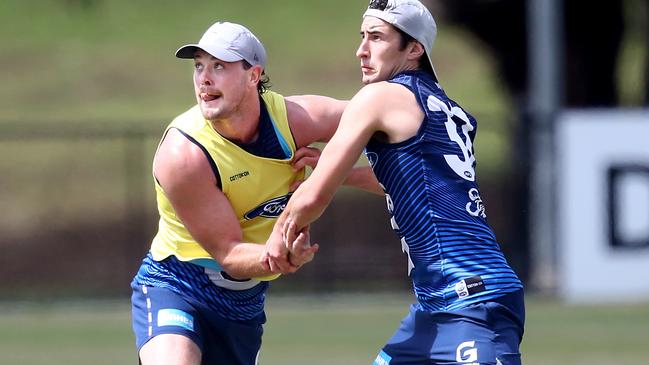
[393, 222]
[463, 166]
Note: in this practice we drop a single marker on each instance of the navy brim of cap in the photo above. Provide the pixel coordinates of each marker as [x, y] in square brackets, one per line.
[187, 51]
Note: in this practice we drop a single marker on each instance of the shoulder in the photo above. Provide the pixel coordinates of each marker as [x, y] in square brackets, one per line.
[179, 160]
[313, 118]
[386, 107]
[273, 100]
[380, 96]
[189, 120]
[305, 106]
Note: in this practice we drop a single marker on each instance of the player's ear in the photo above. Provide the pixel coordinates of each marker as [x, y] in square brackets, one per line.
[415, 50]
[255, 74]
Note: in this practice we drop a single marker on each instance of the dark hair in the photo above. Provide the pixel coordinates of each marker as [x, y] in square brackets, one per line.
[378, 4]
[405, 39]
[264, 81]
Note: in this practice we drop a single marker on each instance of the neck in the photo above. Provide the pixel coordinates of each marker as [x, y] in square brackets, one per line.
[408, 66]
[242, 126]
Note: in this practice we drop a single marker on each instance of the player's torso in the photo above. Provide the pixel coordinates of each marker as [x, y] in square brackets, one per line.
[256, 187]
[436, 206]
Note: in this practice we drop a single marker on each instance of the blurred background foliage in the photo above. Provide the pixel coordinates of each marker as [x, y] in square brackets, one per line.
[96, 61]
[89, 85]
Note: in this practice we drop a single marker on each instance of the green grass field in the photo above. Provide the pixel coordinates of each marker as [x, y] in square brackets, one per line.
[345, 329]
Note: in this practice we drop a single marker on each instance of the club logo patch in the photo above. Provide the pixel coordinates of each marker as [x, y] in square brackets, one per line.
[270, 208]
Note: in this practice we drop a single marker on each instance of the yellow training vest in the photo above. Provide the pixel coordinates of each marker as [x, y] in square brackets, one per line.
[257, 187]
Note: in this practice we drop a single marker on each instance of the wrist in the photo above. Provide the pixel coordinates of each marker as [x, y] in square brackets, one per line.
[292, 260]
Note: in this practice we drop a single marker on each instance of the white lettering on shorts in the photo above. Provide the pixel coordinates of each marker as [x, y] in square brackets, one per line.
[175, 317]
[467, 353]
[382, 359]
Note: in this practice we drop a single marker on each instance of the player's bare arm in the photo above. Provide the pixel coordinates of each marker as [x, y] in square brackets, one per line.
[338, 158]
[361, 177]
[184, 173]
[384, 110]
[315, 118]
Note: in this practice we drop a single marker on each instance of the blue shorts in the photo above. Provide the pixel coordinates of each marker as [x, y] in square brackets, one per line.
[487, 333]
[173, 297]
[159, 311]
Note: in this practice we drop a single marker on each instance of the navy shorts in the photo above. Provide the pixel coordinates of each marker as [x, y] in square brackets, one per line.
[159, 311]
[487, 333]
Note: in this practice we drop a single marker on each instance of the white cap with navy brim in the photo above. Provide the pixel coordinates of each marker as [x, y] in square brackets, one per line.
[228, 42]
[411, 16]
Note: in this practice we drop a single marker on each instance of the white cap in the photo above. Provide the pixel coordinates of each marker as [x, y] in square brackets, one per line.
[410, 16]
[228, 42]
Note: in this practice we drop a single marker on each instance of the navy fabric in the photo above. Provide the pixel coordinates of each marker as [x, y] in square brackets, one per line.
[433, 197]
[481, 333]
[158, 311]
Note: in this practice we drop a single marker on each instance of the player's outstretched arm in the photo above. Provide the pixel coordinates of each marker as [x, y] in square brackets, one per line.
[361, 177]
[358, 124]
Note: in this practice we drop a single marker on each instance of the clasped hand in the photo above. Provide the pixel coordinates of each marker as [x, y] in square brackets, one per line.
[288, 249]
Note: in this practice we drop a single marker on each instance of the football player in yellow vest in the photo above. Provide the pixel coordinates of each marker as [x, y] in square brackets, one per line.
[223, 172]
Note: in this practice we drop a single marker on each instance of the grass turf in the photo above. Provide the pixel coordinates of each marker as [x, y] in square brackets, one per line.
[345, 329]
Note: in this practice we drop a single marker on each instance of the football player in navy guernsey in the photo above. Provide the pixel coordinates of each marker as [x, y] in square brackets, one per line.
[469, 302]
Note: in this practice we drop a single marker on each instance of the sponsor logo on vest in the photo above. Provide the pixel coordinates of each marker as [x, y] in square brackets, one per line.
[372, 158]
[469, 286]
[239, 175]
[475, 207]
[270, 208]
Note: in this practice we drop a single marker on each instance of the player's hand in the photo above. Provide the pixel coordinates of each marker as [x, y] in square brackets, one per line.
[305, 156]
[298, 244]
[275, 257]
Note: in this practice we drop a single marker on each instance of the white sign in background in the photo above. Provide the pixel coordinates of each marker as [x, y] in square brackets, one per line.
[603, 205]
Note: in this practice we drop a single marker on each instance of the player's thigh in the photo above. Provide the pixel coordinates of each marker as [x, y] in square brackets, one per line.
[164, 320]
[170, 349]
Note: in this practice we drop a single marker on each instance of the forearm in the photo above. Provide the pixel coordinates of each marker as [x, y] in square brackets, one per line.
[364, 178]
[242, 261]
[307, 204]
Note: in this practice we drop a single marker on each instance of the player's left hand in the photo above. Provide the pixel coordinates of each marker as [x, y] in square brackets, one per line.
[305, 156]
[298, 244]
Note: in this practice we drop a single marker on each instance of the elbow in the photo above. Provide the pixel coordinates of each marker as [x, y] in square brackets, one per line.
[233, 270]
[226, 257]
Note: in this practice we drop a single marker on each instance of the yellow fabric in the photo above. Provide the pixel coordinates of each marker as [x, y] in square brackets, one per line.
[248, 181]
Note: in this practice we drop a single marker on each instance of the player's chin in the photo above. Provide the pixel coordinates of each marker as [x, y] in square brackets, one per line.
[210, 112]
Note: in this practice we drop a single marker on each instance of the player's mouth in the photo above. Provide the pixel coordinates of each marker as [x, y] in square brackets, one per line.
[207, 97]
[366, 69]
